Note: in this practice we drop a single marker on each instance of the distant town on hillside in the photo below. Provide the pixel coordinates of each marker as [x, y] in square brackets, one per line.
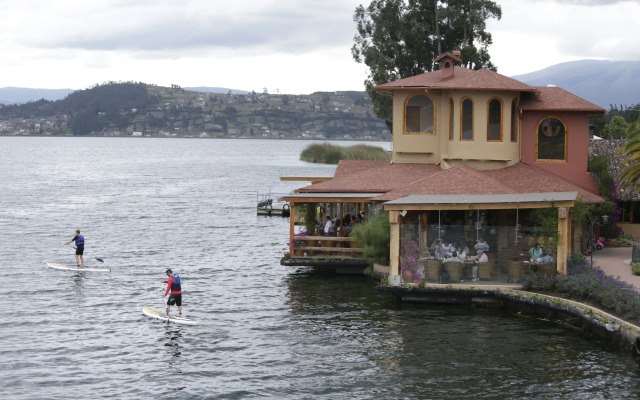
[138, 109]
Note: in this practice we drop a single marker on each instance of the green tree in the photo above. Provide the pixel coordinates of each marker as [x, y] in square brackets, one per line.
[598, 122]
[630, 175]
[373, 237]
[616, 129]
[401, 38]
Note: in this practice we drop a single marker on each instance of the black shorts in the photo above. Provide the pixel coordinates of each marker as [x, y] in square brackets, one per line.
[79, 249]
[175, 299]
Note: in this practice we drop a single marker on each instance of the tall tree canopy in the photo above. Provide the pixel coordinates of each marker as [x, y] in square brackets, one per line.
[401, 38]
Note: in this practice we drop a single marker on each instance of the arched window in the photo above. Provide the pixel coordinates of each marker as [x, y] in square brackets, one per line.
[450, 119]
[514, 120]
[494, 121]
[419, 117]
[551, 140]
[466, 117]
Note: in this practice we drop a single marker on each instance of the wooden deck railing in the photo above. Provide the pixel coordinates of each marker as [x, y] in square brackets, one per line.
[314, 245]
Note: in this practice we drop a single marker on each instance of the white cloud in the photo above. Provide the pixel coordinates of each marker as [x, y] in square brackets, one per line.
[296, 46]
[536, 34]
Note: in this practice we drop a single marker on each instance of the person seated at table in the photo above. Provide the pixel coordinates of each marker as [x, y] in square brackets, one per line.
[535, 252]
[436, 243]
[461, 253]
[465, 248]
[328, 227]
[438, 252]
[346, 220]
[480, 258]
[448, 247]
[481, 245]
[453, 257]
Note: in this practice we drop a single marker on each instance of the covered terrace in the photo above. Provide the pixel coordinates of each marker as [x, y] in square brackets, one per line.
[420, 223]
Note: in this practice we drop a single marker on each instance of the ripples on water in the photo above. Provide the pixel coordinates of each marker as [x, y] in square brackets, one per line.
[266, 330]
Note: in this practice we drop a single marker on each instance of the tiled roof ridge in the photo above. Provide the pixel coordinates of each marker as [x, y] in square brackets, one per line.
[493, 181]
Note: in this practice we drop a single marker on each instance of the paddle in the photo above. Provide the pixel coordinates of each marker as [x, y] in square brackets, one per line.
[95, 258]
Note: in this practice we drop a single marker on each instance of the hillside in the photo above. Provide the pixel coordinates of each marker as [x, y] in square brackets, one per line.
[137, 109]
[602, 82]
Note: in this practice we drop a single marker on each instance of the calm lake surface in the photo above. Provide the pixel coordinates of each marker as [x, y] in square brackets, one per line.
[267, 331]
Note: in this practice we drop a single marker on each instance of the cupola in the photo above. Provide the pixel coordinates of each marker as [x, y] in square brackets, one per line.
[447, 62]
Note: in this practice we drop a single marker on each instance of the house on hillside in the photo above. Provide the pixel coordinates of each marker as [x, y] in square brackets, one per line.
[475, 154]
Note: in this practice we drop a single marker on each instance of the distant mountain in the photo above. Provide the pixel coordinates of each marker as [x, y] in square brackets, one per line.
[15, 95]
[207, 89]
[602, 82]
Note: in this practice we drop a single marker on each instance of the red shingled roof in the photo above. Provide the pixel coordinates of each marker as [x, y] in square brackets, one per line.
[463, 78]
[556, 98]
[400, 180]
[460, 180]
[372, 177]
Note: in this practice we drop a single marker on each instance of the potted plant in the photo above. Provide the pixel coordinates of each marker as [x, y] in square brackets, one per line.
[410, 251]
[298, 243]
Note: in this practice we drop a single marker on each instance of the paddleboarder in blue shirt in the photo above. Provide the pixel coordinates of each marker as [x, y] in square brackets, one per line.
[79, 239]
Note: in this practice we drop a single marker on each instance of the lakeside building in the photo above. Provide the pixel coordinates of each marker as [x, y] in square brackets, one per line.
[474, 153]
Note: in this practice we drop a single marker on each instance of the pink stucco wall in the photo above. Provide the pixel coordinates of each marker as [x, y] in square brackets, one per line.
[575, 167]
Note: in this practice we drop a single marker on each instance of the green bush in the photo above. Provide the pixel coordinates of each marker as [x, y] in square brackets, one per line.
[331, 154]
[635, 269]
[625, 238]
[373, 237]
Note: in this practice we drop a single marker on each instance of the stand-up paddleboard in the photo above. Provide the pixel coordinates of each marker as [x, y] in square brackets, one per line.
[67, 268]
[157, 313]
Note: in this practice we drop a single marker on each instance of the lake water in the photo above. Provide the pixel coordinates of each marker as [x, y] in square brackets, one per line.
[267, 331]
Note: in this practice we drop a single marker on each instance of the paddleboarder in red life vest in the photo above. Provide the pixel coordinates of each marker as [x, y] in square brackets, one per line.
[173, 285]
[79, 239]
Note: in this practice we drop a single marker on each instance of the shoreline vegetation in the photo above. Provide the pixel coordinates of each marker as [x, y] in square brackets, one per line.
[590, 285]
[326, 153]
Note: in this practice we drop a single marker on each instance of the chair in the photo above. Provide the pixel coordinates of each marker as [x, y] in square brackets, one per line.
[484, 270]
[517, 271]
[432, 270]
[454, 269]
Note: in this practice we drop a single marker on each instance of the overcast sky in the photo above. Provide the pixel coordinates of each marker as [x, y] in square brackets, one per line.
[285, 46]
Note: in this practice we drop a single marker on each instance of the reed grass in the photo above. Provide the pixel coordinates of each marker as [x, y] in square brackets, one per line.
[326, 153]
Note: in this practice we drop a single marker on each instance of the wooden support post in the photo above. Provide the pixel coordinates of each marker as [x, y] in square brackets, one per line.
[563, 241]
[292, 218]
[423, 232]
[394, 239]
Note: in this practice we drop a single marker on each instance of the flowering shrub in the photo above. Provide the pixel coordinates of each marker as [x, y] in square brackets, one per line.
[384, 281]
[409, 253]
[295, 242]
[585, 282]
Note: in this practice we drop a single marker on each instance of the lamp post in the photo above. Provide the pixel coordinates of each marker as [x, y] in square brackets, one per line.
[605, 219]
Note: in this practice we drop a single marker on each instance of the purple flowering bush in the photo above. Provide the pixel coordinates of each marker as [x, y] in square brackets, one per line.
[589, 284]
[409, 253]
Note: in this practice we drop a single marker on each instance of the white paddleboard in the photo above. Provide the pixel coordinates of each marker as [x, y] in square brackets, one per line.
[67, 268]
[157, 313]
